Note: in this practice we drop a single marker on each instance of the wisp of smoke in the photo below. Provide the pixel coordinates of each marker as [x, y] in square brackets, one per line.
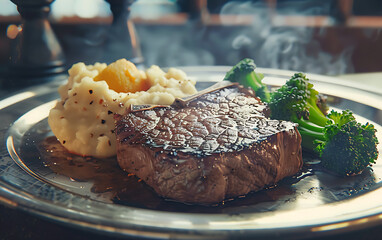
[286, 47]
[297, 48]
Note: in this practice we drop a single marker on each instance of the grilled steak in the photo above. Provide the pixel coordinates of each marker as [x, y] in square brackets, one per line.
[209, 147]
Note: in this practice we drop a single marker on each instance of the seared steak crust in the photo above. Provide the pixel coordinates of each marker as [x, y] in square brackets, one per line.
[217, 145]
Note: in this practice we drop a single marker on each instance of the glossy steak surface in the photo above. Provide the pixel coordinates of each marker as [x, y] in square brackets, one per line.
[208, 147]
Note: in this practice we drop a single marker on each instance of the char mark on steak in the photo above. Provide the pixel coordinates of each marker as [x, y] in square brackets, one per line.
[209, 147]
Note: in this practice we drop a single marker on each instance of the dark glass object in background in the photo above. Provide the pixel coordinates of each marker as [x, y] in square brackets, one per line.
[36, 54]
[122, 40]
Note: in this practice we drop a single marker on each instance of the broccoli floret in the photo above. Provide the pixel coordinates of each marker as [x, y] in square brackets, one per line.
[348, 147]
[345, 146]
[296, 101]
[244, 73]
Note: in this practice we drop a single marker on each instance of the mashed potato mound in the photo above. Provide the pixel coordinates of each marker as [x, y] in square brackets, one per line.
[83, 118]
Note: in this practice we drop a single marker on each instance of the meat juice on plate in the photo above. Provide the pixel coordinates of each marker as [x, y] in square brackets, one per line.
[107, 177]
[45, 156]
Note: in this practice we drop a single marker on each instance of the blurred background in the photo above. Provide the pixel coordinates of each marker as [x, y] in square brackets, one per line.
[329, 37]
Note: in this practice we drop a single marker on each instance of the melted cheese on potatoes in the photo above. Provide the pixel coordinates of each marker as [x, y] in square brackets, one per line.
[123, 76]
[83, 119]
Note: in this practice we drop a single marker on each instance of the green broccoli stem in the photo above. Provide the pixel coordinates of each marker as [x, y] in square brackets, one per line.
[309, 136]
[311, 129]
[316, 116]
[253, 80]
[307, 124]
[259, 77]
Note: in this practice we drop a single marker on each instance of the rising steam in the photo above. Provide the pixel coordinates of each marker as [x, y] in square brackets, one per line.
[282, 47]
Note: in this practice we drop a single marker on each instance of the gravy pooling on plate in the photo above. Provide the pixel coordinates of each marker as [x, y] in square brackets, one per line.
[126, 189]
